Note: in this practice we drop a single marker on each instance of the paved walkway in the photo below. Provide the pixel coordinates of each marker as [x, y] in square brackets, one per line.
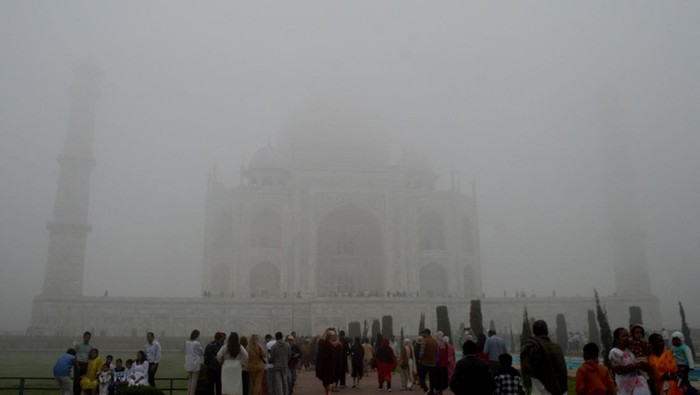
[308, 384]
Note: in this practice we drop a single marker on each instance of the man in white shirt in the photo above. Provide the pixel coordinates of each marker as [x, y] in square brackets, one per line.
[152, 351]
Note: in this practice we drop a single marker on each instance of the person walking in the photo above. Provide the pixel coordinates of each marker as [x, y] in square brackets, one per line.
[385, 364]
[407, 365]
[325, 362]
[357, 356]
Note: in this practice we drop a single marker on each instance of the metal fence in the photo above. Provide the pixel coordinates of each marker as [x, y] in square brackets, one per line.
[47, 385]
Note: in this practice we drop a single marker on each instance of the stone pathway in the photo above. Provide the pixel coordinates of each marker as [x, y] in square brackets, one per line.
[308, 384]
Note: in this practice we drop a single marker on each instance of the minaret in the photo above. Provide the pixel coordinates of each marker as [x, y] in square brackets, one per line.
[69, 227]
[626, 236]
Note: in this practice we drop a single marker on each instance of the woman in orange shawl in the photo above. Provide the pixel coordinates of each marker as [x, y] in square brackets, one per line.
[663, 366]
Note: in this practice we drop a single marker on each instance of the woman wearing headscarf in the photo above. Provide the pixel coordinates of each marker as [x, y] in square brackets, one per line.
[385, 364]
[663, 365]
[684, 357]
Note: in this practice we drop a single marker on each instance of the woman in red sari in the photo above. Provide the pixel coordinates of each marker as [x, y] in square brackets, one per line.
[385, 364]
[663, 367]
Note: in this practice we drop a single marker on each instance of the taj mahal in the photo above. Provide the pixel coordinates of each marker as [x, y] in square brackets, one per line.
[328, 225]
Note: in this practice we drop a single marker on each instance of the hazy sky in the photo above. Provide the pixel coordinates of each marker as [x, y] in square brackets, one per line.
[508, 93]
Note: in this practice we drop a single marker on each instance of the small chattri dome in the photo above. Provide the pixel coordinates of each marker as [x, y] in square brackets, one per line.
[267, 157]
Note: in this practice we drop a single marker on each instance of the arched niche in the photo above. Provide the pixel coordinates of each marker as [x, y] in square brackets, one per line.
[350, 257]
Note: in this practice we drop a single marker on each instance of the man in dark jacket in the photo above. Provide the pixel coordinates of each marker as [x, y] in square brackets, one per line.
[542, 361]
[213, 366]
[471, 375]
[344, 358]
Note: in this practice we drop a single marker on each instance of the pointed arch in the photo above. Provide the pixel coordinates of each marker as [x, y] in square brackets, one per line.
[350, 255]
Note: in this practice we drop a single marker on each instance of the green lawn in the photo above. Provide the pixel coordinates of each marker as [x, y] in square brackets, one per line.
[40, 364]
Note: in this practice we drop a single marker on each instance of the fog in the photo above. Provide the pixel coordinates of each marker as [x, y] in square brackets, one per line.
[516, 96]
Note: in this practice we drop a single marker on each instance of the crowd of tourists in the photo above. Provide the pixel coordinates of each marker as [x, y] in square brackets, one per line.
[237, 365]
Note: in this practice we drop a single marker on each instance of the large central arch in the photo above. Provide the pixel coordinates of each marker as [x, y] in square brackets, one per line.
[349, 254]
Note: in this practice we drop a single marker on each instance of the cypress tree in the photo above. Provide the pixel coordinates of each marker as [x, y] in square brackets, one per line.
[635, 315]
[365, 330]
[354, 329]
[376, 329]
[593, 333]
[605, 332]
[421, 324]
[686, 330]
[476, 320]
[526, 331]
[387, 326]
[443, 321]
[562, 333]
[512, 340]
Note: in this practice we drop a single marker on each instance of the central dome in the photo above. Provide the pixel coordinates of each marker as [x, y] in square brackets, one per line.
[330, 136]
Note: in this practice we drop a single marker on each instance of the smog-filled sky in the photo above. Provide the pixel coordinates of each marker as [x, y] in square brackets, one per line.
[515, 96]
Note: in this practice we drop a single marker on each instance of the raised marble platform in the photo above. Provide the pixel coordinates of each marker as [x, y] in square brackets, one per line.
[118, 316]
